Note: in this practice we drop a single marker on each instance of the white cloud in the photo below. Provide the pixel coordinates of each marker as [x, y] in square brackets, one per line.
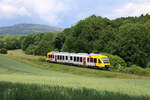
[50, 10]
[7, 10]
[132, 9]
[47, 10]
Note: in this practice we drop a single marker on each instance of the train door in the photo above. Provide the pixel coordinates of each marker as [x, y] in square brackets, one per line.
[84, 61]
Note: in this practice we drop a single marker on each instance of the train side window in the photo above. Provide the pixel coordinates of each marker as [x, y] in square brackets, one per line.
[99, 61]
[74, 59]
[70, 57]
[60, 57]
[95, 60]
[63, 57]
[88, 59]
[66, 57]
[77, 59]
[80, 59]
[91, 59]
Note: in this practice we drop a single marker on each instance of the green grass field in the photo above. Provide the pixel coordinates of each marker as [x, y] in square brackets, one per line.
[16, 67]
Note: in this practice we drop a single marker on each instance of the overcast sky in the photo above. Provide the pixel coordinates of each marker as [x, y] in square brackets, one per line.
[65, 13]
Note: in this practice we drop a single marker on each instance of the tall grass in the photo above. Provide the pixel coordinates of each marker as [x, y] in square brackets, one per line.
[27, 69]
[17, 91]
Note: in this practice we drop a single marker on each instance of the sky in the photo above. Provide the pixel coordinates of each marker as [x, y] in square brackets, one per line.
[66, 13]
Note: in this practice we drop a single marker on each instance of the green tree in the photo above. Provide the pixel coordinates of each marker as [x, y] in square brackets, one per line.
[44, 47]
[134, 44]
[3, 51]
[60, 39]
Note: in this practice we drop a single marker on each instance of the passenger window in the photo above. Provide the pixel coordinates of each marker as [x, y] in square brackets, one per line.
[66, 57]
[77, 59]
[60, 57]
[74, 58]
[87, 59]
[80, 59]
[71, 58]
[63, 57]
[95, 60]
[91, 59]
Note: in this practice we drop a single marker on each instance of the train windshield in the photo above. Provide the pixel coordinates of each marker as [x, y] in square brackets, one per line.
[105, 60]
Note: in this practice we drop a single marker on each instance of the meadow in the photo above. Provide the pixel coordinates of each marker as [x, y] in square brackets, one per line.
[25, 77]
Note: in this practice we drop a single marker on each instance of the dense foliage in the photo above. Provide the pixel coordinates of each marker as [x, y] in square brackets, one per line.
[128, 38]
[117, 63]
[3, 51]
[10, 42]
[134, 69]
[38, 44]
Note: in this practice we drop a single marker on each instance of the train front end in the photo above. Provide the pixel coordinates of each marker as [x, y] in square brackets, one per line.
[103, 62]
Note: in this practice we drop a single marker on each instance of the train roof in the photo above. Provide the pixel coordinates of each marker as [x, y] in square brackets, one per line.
[76, 54]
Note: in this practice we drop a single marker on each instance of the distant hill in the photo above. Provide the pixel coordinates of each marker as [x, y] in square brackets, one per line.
[28, 28]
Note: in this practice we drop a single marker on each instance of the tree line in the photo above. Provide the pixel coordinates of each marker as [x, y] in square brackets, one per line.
[128, 38]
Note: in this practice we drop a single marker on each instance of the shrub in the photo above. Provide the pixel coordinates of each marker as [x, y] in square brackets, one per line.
[3, 51]
[30, 50]
[117, 63]
[148, 65]
[134, 69]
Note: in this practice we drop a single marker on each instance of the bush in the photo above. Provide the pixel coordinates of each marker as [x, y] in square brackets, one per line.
[117, 63]
[30, 50]
[3, 51]
[148, 65]
[134, 69]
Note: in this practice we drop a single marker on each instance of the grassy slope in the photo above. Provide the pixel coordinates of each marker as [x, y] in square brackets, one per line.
[27, 69]
[34, 61]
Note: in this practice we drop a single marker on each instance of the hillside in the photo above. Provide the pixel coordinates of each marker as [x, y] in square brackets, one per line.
[28, 28]
[30, 70]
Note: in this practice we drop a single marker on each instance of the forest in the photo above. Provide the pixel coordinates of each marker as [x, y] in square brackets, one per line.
[125, 38]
